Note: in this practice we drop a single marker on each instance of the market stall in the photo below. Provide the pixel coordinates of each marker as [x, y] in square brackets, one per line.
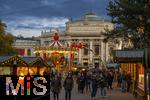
[9, 64]
[131, 62]
[36, 65]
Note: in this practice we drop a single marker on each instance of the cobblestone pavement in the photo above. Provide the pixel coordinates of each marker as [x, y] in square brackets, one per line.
[114, 94]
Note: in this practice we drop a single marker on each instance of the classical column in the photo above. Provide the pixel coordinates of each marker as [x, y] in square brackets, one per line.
[107, 51]
[25, 51]
[80, 56]
[91, 53]
[102, 50]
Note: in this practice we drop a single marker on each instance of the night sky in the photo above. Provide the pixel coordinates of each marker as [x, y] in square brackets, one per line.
[29, 17]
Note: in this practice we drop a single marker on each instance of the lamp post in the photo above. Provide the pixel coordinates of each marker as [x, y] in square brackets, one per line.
[146, 63]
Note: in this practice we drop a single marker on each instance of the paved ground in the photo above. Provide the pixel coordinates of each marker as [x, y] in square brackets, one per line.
[114, 94]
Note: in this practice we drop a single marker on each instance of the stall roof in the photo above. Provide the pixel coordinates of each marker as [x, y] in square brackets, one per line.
[130, 53]
[9, 60]
[32, 60]
[3, 58]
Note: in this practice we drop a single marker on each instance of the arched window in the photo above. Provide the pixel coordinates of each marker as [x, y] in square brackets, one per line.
[28, 52]
[111, 50]
[96, 50]
[85, 51]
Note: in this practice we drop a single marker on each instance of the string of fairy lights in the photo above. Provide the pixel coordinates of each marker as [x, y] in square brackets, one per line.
[13, 58]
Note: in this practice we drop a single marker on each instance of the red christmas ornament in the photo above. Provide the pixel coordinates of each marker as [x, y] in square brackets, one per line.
[56, 37]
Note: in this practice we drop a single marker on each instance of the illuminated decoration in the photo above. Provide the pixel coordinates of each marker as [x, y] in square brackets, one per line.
[57, 53]
[12, 59]
[78, 46]
[12, 63]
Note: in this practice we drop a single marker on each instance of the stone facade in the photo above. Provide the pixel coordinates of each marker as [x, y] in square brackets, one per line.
[26, 46]
[87, 29]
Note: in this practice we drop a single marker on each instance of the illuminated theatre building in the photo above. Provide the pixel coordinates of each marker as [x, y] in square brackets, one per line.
[85, 35]
[88, 31]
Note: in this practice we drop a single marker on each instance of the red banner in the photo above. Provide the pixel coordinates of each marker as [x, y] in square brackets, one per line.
[21, 52]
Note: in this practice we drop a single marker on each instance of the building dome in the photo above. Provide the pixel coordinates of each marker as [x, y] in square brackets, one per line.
[92, 16]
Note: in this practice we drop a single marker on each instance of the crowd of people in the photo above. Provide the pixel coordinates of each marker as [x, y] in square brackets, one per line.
[89, 81]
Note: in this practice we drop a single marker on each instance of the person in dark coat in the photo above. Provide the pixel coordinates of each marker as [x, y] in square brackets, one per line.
[129, 81]
[103, 85]
[88, 82]
[123, 81]
[56, 87]
[68, 86]
[94, 85]
[109, 80]
[81, 82]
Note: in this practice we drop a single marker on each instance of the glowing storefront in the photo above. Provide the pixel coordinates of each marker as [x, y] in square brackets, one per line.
[36, 65]
[9, 64]
[131, 62]
[16, 65]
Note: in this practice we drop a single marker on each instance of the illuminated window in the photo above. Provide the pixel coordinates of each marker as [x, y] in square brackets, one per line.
[41, 70]
[22, 71]
[140, 76]
[32, 70]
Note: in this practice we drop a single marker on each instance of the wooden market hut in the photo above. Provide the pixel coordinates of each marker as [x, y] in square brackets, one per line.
[132, 61]
[36, 65]
[9, 64]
